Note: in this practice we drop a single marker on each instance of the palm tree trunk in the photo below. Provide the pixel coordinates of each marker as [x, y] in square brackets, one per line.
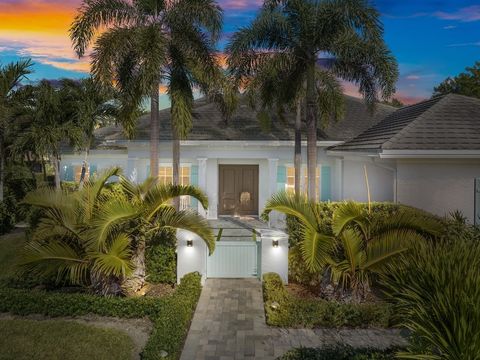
[297, 161]
[154, 130]
[84, 169]
[311, 119]
[2, 168]
[57, 170]
[137, 280]
[175, 159]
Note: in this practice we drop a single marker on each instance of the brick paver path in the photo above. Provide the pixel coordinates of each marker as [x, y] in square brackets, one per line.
[229, 323]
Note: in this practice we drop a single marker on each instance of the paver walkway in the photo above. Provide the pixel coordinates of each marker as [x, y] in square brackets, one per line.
[229, 323]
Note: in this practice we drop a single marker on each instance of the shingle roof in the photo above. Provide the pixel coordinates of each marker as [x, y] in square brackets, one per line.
[208, 124]
[450, 122]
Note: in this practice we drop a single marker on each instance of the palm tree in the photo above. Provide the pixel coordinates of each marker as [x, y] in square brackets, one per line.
[148, 42]
[359, 244]
[267, 85]
[50, 113]
[94, 106]
[368, 242]
[96, 236]
[347, 31]
[10, 77]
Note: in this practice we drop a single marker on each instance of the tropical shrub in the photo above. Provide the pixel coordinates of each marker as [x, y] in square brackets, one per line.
[435, 290]
[7, 218]
[357, 243]
[171, 315]
[286, 310]
[97, 238]
[340, 352]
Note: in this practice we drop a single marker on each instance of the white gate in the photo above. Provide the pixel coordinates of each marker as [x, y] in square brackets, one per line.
[233, 259]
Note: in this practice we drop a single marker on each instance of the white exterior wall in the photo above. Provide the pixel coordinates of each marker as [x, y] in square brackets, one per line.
[438, 186]
[381, 178]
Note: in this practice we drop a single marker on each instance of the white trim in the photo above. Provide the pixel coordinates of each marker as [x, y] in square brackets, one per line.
[219, 143]
[409, 154]
[351, 153]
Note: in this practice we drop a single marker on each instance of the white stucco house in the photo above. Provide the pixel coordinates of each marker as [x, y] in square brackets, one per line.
[426, 155]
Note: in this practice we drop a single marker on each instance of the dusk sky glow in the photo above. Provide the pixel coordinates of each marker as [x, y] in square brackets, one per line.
[431, 39]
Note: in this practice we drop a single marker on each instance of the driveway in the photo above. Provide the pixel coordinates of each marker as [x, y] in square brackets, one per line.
[229, 323]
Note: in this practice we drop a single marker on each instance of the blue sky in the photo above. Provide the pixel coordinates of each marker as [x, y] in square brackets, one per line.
[431, 39]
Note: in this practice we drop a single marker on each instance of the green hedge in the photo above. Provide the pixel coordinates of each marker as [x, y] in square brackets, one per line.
[161, 259]
[294, 311]
[7, 218]
[171, 315]
[340, 352]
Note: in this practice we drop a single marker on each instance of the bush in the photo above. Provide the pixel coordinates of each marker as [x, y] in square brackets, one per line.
[436, 293]
[161, 259]
[7, 218]
[339, 352]
[293, 311]
[170, 315]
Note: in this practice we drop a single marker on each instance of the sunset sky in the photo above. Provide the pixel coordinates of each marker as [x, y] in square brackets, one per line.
[432, 39]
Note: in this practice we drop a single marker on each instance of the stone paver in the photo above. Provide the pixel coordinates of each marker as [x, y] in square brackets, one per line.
[229, 323]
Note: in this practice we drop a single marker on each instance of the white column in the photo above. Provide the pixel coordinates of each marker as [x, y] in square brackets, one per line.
[132, 171]
[337, 183]
[202, 181]
[272, 187]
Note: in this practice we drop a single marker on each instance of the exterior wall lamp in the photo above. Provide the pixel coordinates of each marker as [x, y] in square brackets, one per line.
[275, 243]
[189, 243]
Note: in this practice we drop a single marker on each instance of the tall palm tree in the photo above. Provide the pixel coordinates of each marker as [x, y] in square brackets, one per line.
[147, 42]
[267, 86]
[94, 106]
[348, 31]
[10, 77]
[96, 236]
[50, 114]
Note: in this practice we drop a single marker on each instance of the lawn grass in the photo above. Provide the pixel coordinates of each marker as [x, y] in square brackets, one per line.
[10, 245]
[31, 339]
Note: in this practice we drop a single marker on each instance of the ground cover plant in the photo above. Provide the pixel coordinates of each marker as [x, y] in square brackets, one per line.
[58, 340]
[287, 310]
[435, 290]
[340, 352]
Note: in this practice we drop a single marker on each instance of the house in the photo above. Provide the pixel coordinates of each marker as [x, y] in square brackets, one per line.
[426, 155]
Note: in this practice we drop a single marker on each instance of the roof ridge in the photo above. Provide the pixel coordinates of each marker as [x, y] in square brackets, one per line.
[436, 101]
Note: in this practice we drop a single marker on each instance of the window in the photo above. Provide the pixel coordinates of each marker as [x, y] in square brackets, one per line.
[165, 175]
[290, 181]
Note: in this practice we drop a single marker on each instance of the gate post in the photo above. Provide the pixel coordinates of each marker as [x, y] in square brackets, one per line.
[274, 252]
[191, 254]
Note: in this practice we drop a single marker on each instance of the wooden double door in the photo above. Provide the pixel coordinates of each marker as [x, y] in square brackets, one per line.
[238, 190]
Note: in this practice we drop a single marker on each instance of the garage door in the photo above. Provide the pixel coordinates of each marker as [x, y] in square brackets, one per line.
[233, 259]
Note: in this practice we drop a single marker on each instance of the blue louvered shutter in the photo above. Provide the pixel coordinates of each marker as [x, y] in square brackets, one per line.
[325, 183]
[93, 170]
[194, 182]
[281, 177]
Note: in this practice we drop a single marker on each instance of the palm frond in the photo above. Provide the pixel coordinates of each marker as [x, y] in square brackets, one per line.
[186, 220]
[116, 260]
[349, 213]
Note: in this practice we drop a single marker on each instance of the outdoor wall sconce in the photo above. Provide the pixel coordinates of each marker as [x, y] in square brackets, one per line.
[189, 243]
[275, 243]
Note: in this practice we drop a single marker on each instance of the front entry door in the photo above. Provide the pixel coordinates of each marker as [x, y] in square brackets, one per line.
[238, 187]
